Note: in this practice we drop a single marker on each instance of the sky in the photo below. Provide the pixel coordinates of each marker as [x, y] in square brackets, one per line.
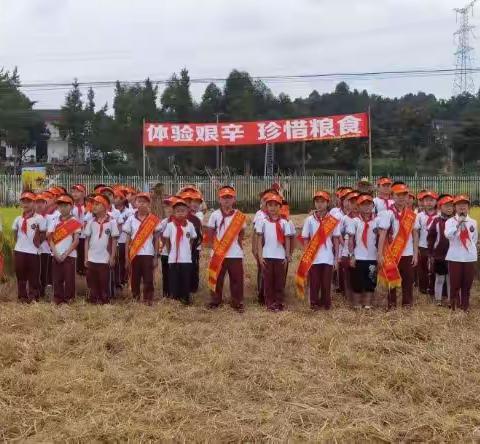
[102, 40]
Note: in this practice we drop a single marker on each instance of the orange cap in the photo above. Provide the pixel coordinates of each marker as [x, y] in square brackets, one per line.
[27, 195]
[65, 199]
[322, 195]
[351, 195]
[55, 191]
[47, 195]
[145, 196]
[461, 198]
[342, 190]
[384, 181]
[106, 190]
[197, 196]
[119, 194]
[342, 193]
[102, 200]
[445, 200]
[41, 196]
[188, 188]
[79, 187]
[227, 191]
[431, 194]
[364, 198]
[270, 197]
[399, 188]
[188, 194]
[179, 201]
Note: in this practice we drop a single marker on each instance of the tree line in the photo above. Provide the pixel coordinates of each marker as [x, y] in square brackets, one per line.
[414, 133]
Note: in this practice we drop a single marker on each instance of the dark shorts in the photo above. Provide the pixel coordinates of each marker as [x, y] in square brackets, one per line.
[440, 267]
[364, 276]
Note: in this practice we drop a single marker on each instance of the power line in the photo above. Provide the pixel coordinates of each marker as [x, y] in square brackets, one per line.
[368, 75]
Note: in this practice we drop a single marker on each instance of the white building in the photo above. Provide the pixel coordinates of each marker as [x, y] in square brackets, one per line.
[54, 149]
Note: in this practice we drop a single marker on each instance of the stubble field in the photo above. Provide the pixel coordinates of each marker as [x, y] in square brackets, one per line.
[130, 372]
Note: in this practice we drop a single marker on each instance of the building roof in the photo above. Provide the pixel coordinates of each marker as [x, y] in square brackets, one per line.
[50, 115]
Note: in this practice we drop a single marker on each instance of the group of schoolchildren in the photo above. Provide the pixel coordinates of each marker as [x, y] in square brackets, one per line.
[351, 240]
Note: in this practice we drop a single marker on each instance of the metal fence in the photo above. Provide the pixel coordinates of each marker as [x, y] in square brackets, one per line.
[298, 189]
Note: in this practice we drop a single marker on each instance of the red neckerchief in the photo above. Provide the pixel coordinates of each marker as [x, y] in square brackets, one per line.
[224, 216]
[105, 219]
[278, 229]
[430, 218]
[26, 216]
[366, 227]
[464, 236]
[386, 202]
[79, 210]
[179, 234]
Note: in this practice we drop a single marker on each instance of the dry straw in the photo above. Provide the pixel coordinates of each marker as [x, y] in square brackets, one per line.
[130, 372]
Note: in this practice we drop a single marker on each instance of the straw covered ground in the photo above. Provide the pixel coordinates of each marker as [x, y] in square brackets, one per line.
[130, 372]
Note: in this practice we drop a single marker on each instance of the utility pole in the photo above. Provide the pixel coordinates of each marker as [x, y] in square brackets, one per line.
[304, 143]
[463, 82]
[269, 160]
[217, 163]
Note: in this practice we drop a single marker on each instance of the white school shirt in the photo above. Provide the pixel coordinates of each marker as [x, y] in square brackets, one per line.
[185, 249]
[425, 225]
[98, 245]
[44, 247]
[124, 216]
[234, 252]
[343, 226]
[325, 254]
[50, 219]
[382, 204]
[293, 229]
[259, 215]
[456, 251]
[66, 243]
[272, 249]
[79, 217]
[163, 225]
[339, 214]
[116, 214]
[387, 219]
[131, 227]
[355, 228]
[24, 242]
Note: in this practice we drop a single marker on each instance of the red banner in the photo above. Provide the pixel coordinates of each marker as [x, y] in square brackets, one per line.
[255, 133]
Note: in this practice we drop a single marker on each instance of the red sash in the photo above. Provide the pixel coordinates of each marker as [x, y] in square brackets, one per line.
[221, 248]
[65, 229]
[325, 229]
[388, 275]
[145, 230]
